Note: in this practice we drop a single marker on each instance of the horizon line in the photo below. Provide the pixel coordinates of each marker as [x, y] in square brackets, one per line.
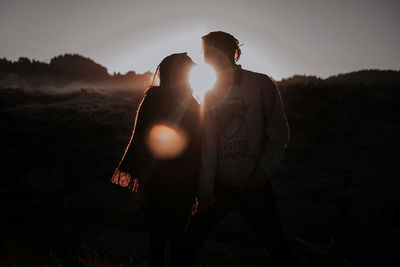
[149, 71]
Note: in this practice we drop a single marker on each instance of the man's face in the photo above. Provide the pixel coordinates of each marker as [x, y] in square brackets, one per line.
[214, 57]
[207, 54]
[211, 55]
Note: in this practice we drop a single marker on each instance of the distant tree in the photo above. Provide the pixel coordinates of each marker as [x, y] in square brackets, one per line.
[5, 66]
[23, 65]
[75, 66]
[367, 77]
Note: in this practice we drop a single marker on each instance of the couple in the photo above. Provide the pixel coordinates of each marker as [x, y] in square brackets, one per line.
[215, 159]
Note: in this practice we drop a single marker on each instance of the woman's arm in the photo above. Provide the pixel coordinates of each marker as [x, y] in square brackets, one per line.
[133, 165]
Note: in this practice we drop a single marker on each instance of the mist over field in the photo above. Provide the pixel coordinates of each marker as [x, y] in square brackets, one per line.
[65, 125]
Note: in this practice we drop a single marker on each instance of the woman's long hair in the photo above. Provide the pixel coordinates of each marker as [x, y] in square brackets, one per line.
[172, 72]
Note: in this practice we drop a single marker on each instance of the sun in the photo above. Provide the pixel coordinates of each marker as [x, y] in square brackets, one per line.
[202, 78]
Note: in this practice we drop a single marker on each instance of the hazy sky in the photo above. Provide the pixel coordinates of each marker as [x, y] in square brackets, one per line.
[279, 37]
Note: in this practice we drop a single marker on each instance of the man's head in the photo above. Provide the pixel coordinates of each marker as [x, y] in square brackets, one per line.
[220, 49]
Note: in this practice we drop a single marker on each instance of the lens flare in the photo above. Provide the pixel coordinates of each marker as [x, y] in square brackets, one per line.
[166, 142]
[202, 78]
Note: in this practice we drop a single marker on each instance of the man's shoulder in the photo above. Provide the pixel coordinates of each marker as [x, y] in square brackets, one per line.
[254, 74]
[259, 78]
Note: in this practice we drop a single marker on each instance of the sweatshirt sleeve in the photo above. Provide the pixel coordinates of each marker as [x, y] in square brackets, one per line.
[208, 158]
[277, 129]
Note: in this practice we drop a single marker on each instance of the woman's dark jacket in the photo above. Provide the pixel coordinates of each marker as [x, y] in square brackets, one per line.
[165, 178]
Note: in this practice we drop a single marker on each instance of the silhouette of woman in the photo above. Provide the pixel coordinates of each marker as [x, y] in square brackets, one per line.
[162, 159]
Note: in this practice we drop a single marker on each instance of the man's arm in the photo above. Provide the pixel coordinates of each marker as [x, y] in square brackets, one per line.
[276, 128]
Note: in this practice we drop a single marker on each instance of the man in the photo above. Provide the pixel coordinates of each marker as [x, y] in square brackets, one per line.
[245, 135]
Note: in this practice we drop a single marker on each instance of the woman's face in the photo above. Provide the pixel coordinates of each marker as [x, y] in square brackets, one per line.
[174, 70]
[182, 69]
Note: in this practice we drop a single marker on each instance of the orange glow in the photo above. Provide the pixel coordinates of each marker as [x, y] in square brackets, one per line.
[125, 180]
[202, 78]
[166, 142]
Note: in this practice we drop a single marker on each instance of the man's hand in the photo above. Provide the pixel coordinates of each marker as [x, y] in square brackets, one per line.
[256, 180]
[206, 204]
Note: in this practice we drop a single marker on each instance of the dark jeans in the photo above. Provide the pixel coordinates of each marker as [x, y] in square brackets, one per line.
[167, 221]
[260, 210]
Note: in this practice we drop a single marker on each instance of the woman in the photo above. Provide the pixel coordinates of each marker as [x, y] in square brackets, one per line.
[163, 156]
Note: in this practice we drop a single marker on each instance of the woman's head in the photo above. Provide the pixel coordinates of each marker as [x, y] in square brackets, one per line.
[174, 70]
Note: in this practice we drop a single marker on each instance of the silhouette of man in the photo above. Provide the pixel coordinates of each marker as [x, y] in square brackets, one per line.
[245, 134]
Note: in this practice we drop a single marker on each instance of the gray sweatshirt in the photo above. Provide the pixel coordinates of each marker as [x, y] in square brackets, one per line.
[248, 129]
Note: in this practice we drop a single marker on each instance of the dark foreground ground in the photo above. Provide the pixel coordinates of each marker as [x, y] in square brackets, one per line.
[337, 186]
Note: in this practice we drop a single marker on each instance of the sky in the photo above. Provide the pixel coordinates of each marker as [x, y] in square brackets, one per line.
[279, 37]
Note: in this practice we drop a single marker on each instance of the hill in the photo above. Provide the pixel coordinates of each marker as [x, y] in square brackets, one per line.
[64, 70]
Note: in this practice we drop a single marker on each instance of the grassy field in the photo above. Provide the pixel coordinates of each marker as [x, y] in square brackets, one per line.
[337, 186]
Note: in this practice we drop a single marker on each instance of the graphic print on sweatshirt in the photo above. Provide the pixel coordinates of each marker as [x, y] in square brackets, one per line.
[230, 116]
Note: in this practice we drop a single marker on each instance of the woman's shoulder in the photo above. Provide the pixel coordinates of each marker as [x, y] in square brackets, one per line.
[155, 98]
[152, 95]
[153, 91]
